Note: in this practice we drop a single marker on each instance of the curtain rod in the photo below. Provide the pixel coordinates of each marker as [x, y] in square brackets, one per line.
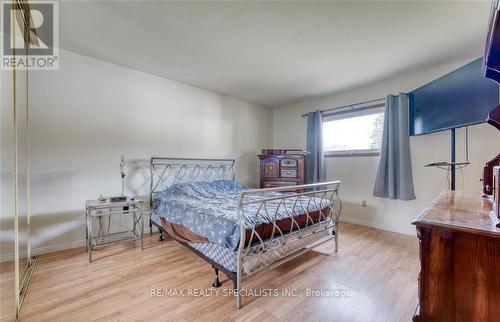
[344, 106]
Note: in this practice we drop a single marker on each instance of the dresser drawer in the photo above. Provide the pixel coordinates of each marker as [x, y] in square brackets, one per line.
[286, 162]
[288, 173]
[269, 168]
[273, 184]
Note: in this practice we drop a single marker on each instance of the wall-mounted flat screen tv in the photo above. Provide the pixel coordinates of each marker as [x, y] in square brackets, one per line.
[461, 98]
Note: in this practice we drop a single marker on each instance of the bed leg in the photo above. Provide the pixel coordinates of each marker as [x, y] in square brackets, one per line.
[337, 238]
[234, 283]
[150, 227]
[237, 286]
[216, 282]
[161, 236]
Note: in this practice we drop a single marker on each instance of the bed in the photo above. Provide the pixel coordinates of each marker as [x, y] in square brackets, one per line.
[239, 231]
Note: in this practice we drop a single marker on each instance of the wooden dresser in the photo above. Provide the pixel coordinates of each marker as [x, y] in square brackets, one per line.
[459, 260]
[278, 170]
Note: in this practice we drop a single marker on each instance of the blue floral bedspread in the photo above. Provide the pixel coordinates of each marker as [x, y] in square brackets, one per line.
[210, 209]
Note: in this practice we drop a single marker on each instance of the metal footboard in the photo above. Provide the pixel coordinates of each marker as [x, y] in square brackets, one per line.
[318, 199]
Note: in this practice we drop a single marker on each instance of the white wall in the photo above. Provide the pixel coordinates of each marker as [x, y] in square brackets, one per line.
[358, 173]
[84, 116]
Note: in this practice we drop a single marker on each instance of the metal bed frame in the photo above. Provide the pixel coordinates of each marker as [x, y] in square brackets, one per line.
[264, 253]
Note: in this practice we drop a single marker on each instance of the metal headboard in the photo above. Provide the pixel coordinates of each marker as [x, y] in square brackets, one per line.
[165, 172]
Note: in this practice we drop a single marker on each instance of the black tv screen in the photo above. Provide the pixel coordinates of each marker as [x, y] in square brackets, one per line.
[461, 98]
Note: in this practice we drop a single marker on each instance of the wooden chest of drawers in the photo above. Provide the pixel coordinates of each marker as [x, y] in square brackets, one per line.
[280, 170]
[459, 260]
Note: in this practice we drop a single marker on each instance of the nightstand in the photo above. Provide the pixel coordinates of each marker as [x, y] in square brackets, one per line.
[95, 209]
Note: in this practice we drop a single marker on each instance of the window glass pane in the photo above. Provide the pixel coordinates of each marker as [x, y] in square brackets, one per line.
[354, 133]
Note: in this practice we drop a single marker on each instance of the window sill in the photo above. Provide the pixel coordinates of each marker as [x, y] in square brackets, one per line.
[352, 154]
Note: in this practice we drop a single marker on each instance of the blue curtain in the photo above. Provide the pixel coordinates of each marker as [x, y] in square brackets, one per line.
[394, 177]
[315, 162]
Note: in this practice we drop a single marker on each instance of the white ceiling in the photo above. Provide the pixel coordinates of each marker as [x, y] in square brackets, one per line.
[275, 53]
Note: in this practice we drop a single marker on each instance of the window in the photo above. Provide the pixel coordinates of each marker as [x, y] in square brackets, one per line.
[355, 132]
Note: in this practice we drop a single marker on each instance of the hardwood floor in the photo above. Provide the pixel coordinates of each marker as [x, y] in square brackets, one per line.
[378, 268]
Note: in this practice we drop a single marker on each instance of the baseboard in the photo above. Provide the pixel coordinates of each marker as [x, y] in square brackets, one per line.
[51, 249]
[44, 250]
[58, 247]
[374, 225]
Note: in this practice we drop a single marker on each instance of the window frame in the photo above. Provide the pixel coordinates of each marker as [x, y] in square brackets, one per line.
[351, 112]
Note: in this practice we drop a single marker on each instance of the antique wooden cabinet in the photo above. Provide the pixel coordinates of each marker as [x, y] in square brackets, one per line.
[488, 175]
[278, 170]
[459, 260]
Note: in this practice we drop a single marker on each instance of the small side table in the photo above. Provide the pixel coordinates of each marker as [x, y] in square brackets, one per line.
[98, 209]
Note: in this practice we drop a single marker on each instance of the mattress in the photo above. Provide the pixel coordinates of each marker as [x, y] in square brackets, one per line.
[210, 210]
